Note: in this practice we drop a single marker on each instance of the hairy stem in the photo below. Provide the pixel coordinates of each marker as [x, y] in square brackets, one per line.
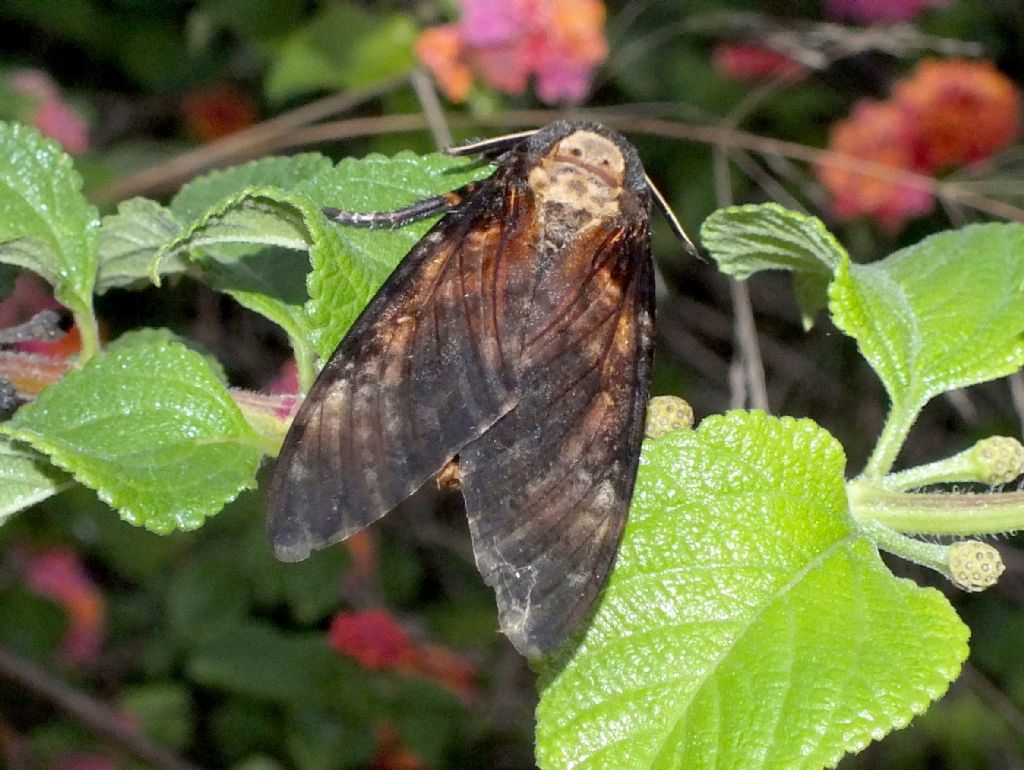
[937, 513]
[890, 441]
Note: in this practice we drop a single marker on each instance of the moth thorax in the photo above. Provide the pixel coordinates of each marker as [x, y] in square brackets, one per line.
[584, 171]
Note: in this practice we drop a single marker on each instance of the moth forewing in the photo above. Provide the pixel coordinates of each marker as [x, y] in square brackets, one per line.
[511, 347]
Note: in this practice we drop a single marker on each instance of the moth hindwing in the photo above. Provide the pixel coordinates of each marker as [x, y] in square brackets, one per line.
[513, 343]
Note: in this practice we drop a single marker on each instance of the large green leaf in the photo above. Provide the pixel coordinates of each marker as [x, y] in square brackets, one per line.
[747, 623]
[251, 245]
[25, 478]
[46, 225]
[150, 427]
[348, 263]
[130, 240]
[747, 239]
[944, 313]
[278, 171]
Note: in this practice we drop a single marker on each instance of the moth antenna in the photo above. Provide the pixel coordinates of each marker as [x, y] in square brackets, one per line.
[493, 146]
[670, 217]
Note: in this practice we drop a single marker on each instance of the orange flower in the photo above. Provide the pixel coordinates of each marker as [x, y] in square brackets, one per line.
[362, 550]
[446, 668]
[966, 110]
[885, 134]
[441, 50]
[391, 753]
[374, 639]
[217, 111]
[947, 112]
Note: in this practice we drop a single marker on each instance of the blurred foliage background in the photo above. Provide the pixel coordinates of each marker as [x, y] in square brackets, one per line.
[889, 119]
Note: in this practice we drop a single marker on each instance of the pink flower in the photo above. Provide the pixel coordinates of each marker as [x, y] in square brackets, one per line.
[59, 575]
[63, 124]
[946, 113]
[746, 62]
[871, 11]
[560, 42]
[49, 113]
[372, 638]
[487, 23]
[884, 134]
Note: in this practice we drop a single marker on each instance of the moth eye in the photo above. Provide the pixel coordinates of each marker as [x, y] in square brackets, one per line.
[577, 151]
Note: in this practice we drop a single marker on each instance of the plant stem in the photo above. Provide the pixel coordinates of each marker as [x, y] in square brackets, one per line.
[94, 715]
[939, 513]
[894, 433]
[931, 555]
[304, 363]
[89, 332]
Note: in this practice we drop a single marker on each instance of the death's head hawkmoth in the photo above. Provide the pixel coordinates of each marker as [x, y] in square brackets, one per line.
[511, 348]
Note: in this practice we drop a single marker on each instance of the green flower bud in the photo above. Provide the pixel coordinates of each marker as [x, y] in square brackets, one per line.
[998, 459]
[974, 566]
[666, 414]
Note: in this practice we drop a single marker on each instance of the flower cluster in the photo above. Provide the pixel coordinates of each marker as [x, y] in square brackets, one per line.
[946, 113]
[374, 639]
[505, 42]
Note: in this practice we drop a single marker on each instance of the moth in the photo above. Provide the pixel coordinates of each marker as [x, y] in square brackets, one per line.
[511, 350]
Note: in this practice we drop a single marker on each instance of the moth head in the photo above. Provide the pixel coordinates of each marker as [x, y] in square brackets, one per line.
[594, 152]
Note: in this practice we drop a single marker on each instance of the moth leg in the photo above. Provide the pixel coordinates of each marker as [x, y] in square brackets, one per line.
[45, 326]
[10, 400]
[428, 207]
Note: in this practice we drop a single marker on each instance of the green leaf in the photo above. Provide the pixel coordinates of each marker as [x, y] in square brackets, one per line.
[350, 263]
[33, 626]
[747, 623]
[162, 710]
[272, 283]
[744, 240]
[149, 426]
[8, 275]
[261, 216]
[26, 478]
[281, 172]
[260, 661]
[945, 313]
[266, 280]
[378, 47]
[318, 740]
[204, 596]
[46, 225]
[129, 241]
